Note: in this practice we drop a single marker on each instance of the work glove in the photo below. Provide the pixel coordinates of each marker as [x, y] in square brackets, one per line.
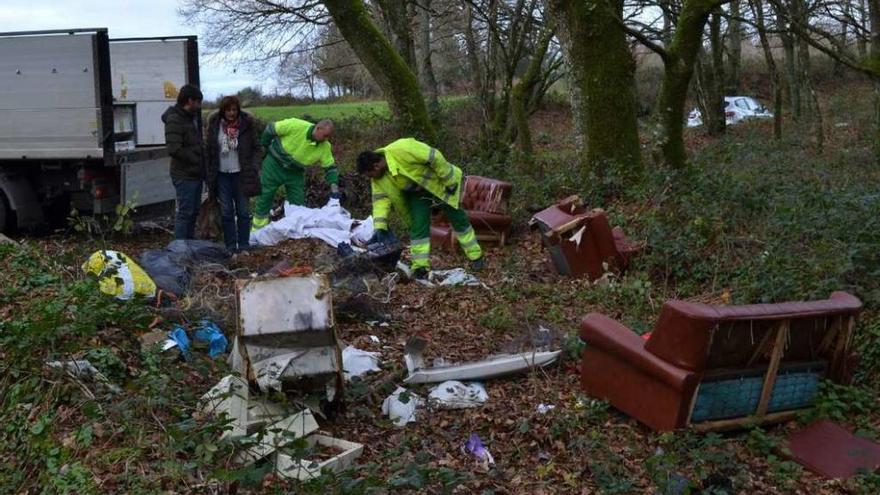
[450, 190]
[336, 195]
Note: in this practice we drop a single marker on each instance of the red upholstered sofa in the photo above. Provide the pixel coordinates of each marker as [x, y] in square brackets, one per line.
[485, 201]
[720, 367]
[581, 241]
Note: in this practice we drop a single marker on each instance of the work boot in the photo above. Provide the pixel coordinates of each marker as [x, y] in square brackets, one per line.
[478, 264]
[420, 274]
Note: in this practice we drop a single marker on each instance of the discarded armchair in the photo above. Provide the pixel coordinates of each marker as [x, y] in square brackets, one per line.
[485, 201]
[581, 241]
[720, 367]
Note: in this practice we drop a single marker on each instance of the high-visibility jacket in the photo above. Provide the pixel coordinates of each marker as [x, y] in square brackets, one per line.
[290, 143]
[412, 164]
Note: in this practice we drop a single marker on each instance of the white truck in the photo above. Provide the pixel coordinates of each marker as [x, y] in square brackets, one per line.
[80, 121]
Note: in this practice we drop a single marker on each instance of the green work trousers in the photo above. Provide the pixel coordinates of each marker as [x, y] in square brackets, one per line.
[420, 203]
[272, 177]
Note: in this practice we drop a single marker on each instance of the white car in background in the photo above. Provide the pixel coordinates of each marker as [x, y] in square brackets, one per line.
[736, 109]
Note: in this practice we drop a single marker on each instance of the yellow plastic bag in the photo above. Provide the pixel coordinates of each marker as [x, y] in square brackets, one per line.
[119, 276]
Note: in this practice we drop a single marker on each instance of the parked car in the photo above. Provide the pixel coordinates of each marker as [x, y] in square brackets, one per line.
[736, 109]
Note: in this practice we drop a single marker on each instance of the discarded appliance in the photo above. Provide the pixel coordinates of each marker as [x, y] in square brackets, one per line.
[492, 367]
[270, 430]
[401, 406]
[580, 241]
[286, 338]
[829, 450]
[456, 395]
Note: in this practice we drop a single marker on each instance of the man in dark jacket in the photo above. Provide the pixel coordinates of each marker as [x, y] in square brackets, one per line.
[183, 139]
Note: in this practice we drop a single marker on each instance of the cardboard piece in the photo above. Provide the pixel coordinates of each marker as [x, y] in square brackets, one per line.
[829, 450]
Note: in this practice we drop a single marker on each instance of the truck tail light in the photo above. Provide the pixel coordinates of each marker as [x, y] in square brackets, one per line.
[100, 192]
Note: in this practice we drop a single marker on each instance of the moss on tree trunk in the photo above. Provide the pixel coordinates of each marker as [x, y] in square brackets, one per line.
[602, 68]
[398, 82]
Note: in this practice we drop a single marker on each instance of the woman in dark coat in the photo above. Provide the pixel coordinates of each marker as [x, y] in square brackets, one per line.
[234, 156]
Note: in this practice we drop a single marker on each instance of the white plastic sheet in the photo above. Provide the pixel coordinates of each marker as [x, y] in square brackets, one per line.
[401, 410]
[331, 223]
[356, 362]
[456, 395]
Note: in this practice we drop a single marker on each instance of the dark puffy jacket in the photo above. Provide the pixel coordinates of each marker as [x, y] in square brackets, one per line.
[183, 139]
[250, 153]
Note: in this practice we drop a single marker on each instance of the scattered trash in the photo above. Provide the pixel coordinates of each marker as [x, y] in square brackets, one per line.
[831, 451]
[277, 435]
[375, 339]
[210, 333]
[305, 469]
[356, 362]
[228, 398]
[119, 276]
[286, 336]
[492, 367]
[545, 408]
[331, 224]
[401, 406]
[456, 395]
[736, 109]
[82, 368]
[474, 447]
[181, 339]
[171, 268]
[453, 277]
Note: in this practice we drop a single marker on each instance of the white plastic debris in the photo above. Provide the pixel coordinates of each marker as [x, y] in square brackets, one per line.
[331, 223]
[356, 362]
[456, 395]
[229, 397]
[454, 277]
[375, 339]
[545, 408]
[401, 406]
[82, 368]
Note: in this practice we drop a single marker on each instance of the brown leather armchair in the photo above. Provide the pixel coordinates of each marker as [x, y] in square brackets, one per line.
[720, 367]
[485, 201]
[581, 241]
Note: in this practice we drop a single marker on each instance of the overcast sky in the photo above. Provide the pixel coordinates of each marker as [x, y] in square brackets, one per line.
[124, 19]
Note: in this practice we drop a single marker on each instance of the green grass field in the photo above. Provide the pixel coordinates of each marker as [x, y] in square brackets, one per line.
[335, 111]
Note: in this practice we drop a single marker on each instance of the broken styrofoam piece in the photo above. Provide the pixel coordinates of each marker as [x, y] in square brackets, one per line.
[456, 395]
[401, 406]
[375, 339]
[229, 397]
[545, 408]
[356, 362]
[305, 469]
[277, 435]
[492, 367]
[285, 305]
[293, 364]
[474, 446]
[454, 277]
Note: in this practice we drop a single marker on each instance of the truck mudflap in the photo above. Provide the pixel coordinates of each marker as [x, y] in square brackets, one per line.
[22, 199]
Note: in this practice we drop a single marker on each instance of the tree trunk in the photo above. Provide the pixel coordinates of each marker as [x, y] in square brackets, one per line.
[874, 53]
[775, 77]
[679, 63]
[523, 91]
[603, 69]
[429, 81]
[398, 15]
[710, 80]
[388, 68]
[861, 39]
[734, 48]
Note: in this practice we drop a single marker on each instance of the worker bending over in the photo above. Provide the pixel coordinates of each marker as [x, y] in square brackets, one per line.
[411, 176]
[292, 145]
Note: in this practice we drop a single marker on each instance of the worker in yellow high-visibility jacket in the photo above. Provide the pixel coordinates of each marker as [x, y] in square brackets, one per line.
[292, 145]
[411, 176]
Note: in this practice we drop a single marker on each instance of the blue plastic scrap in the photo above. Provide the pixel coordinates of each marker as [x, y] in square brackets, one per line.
[178, 335]
[208, 331]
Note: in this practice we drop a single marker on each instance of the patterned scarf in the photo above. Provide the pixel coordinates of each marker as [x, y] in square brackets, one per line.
[228, 135]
